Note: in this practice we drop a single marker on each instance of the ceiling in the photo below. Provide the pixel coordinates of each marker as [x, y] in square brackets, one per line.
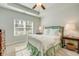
[30, 5]
[50, 5]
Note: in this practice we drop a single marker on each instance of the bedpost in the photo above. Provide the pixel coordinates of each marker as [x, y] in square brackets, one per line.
[62, 34]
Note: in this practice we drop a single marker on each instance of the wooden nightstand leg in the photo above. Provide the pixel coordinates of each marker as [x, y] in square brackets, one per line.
[78, 48]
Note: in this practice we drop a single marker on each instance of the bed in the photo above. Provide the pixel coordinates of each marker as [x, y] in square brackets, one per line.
[49, 42]
[46, 44]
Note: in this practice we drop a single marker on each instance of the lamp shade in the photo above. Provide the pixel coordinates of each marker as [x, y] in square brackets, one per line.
[70, 28]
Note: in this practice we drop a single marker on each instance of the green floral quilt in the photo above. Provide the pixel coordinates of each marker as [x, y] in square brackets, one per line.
[33, 50]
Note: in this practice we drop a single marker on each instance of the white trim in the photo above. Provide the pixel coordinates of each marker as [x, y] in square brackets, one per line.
[18, 10]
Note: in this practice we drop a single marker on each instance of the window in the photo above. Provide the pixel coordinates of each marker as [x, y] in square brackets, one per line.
[21, 27]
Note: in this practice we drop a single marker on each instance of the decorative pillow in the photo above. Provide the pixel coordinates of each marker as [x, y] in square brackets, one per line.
[33, 50]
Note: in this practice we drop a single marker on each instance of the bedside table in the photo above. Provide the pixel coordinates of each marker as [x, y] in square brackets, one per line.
[70, 38]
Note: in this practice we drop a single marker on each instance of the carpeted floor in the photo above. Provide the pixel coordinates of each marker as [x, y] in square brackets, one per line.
[65, 52]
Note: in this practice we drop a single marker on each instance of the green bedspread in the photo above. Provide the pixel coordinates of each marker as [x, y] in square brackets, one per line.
[33, 50]
[50, 52]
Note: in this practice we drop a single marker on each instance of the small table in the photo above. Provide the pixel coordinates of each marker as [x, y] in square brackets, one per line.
[70, 38]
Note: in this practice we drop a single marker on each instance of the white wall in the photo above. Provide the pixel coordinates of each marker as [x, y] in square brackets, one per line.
[60, 14]
[7, 23]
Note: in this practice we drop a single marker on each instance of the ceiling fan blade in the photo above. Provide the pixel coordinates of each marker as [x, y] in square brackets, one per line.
[43, 6]
[34, 6]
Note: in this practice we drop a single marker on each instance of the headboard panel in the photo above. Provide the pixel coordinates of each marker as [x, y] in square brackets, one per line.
[56, 27]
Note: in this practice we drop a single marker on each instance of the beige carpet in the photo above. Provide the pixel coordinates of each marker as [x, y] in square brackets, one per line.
[65, 52]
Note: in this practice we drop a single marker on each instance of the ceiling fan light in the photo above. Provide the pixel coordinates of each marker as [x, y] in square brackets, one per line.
[43, 6]
[34, 6]
[39, 4]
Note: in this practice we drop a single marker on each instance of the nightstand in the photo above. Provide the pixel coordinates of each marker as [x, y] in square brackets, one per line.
[70, 38]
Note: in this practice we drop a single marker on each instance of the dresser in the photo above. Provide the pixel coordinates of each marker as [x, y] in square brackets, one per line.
[2, 42]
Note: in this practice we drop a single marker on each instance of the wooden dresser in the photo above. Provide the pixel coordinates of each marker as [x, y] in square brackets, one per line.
[2, 43]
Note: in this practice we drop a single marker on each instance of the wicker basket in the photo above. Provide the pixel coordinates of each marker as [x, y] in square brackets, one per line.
[71, 46]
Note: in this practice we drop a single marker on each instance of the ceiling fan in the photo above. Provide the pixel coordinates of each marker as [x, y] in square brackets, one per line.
[39, 5]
